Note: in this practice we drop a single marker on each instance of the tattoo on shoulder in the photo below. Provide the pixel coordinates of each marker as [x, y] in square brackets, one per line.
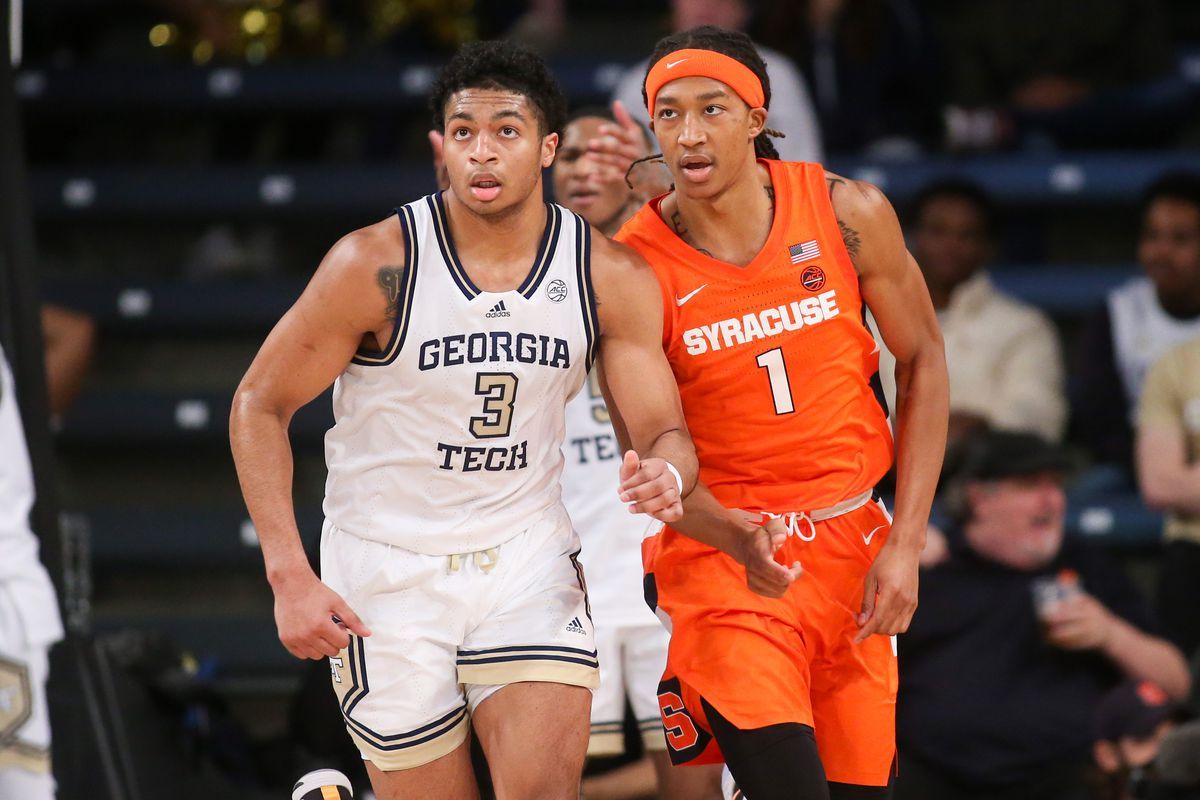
[852, 239]
[833, 184]
[391, 281]
[705, 252]
[770, 194]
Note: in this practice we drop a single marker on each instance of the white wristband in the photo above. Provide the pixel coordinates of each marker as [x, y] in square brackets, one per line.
[678, 480]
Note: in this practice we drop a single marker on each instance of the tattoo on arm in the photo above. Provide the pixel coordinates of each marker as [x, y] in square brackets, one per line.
[852, 239]
[705, 252]
[770, 195]
[833, 184]
[391, 280]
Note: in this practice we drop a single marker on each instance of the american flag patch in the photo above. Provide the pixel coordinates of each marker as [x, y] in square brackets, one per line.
[805, 251]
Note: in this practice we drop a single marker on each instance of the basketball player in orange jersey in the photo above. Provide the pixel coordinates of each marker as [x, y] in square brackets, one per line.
[787, 580]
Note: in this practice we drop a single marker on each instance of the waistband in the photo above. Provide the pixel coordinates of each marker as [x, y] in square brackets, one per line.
[821, 514]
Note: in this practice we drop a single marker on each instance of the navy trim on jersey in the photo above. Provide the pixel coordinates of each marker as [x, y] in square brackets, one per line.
[546, 252]
[381, 358]
[587, 601]
[876, 381]
[525, 648]
[396, 741]
[587, 298]
[506, 659]
[537, 271]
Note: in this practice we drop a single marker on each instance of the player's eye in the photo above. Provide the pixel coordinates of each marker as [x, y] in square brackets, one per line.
[713, 109]
[666, 113]
[461, 133]
[508, 130]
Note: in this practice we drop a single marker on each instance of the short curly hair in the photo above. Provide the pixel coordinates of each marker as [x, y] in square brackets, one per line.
[506, 66]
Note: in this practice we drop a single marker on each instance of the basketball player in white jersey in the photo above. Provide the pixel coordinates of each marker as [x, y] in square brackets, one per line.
[456, 332]
[29, 618]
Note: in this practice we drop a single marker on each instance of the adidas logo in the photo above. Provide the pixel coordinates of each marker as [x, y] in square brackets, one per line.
[575, 626]
[498, 310]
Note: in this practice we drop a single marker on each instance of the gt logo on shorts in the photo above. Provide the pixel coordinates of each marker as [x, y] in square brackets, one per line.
[16, 698]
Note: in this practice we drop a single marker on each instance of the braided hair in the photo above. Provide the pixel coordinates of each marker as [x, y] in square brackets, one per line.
[737, 46]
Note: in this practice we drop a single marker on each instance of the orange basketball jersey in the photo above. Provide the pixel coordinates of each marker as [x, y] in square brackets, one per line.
[776, 367]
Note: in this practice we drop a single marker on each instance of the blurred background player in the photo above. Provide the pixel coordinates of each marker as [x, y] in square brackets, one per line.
[631, 642]
[445, 525]
[29, 618]
[766, 270]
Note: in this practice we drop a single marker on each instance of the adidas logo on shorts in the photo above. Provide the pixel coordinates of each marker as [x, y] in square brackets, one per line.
[575, 626]
[498, 310]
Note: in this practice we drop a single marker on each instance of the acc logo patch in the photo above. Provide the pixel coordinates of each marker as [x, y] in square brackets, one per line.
[16, 698]
[557, 291]
[813, 278]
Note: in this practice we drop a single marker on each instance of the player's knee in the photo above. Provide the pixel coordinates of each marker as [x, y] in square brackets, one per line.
[775, 762]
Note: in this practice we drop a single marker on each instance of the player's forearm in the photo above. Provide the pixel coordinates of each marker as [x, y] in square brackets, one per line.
[676, 448]
[708, 522]
[1171, 488]
[263, 456]
[922, 408]
[1148, 658]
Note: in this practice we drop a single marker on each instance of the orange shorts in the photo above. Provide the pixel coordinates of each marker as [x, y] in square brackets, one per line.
[762, 661]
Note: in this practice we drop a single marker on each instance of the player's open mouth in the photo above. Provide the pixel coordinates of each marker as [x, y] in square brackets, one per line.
[696, 168]
[485, 187]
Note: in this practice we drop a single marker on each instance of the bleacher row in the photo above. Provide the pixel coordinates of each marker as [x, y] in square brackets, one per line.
[162, 419]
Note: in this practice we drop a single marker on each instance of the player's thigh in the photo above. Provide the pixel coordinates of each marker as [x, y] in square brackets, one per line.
[535, 737]
[686, 783]
[608, 703]
[854, 710]
[24, 719]
[446, 778]
[398, 689]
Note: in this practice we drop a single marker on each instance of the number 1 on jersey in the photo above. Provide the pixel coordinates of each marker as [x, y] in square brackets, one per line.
[781, 389]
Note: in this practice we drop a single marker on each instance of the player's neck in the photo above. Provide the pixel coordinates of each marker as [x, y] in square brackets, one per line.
[497, 250]
[733, 225]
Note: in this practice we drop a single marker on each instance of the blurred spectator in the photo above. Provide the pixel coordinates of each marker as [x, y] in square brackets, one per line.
[1087, 73]
[1132, 722]
[1140, 321]
[1168, 466]
[1004, 358]
[70, 342]
[791, 110]
[869, 65]
[1178, 764]
[1017, 638]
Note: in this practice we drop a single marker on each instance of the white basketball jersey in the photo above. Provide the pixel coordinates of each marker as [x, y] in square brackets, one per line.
[449, 439]
[611, 536]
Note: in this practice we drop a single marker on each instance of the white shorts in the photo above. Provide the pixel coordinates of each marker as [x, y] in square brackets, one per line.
[24, 721]
[632, 659]
[448, 631]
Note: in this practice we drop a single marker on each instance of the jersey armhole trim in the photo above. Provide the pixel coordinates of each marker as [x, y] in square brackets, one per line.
[381, 358]
[587, 298]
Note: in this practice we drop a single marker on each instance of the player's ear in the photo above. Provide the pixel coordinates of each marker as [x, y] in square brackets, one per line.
[549, 149]
[758, 121]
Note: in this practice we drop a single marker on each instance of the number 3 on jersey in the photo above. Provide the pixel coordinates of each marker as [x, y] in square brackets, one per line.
[781, 388]
[500, 391]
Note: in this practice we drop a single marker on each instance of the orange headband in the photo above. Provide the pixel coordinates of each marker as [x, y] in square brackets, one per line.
[704, 64]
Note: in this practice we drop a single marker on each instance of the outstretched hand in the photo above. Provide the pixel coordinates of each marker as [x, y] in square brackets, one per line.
[650, 488]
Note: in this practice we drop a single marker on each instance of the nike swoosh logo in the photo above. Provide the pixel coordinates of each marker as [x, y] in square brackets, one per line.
[679, 301]
[671, 64]
[867, 537]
